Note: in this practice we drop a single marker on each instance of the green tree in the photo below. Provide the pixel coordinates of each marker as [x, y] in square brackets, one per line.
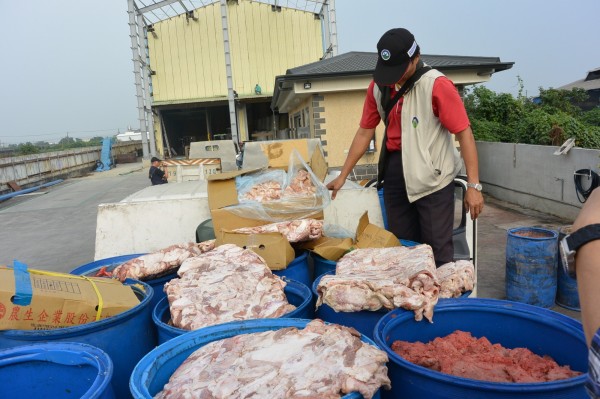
[27, 149]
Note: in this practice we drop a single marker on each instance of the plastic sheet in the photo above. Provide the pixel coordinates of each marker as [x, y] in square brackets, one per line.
[302, 194]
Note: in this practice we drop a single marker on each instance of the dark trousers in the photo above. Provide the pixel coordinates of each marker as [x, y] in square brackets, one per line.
[429, 220]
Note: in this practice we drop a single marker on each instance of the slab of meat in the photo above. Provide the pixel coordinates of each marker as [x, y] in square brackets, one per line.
[463, 355]
[320, 361]
[375, 278]
[159, 263]
[226, 284]
[264, 192]
[294, 230]
[456, 278]
[300, 185]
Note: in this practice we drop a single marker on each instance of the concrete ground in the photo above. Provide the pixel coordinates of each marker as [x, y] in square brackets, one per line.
[54, 228]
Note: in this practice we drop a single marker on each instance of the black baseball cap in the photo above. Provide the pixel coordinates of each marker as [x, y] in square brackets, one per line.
[154, 159]
[394, 51]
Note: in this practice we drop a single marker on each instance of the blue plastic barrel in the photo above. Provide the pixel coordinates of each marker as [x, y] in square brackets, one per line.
[55, 370]
[157, 284]
[510, 324]
[567, 294]
[531, 258]
[383, 211]
[126, 337]
[297, 294]
[154, 370]
[297, 270]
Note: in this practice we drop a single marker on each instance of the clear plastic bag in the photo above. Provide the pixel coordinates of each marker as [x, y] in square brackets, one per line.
[302, 196]
[337, 231]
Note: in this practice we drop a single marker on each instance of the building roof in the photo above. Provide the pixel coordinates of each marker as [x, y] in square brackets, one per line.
[590, 82]
[356, 62]
[362, 64]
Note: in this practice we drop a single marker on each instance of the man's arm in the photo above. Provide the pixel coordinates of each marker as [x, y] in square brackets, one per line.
[468, 150]
[587, 265]
[359, 145]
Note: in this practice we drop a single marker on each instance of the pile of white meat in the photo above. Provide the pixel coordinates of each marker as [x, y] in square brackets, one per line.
[158, 263]
[396, 277]
[294, 230]
[320, 361]
[225, 284]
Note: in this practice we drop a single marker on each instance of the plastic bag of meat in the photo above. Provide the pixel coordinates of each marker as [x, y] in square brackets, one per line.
[375, 278]
[319, 361]
[303, 195]
[226, 284]
[263, 186]
[159, 263]
[456, 278]
[294, 231]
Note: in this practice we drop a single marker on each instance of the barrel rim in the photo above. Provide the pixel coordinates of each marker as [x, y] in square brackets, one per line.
[291, 285]
[553, 234]
[92, 355]
[65, 332]
[479, 304]
[143, 370]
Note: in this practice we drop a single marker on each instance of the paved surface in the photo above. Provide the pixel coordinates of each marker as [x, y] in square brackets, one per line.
[55, 228]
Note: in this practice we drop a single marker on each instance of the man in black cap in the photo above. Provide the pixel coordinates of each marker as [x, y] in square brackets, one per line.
[422, 112]
[156, 175]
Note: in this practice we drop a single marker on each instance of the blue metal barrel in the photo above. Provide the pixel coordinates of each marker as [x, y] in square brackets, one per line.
[511, 324]
[55, 370]
[297, 294]
[531, 259]
[157, 284]
[154, 370]
[298, 270]
[126, 337]
[567, 294]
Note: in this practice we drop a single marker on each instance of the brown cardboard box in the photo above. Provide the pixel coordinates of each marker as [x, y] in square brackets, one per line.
[367, 236]
[60, 300]
[274, 248]
[222, 191]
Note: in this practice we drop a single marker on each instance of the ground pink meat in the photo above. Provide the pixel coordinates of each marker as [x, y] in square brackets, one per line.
[463, 355]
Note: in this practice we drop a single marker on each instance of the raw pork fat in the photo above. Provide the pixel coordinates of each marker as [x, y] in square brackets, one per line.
[226, 284]
[320, 361]
[294, 230]
[372, 278]
[159, 263]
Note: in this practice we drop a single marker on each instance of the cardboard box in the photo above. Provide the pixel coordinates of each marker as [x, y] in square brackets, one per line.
[274, 248]
[178, 170]
[222, 191]
[59, 300]
[367, 236]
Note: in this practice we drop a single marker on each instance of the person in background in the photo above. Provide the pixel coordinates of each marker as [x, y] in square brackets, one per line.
[586, 265]
[155, 174]
[422, 112]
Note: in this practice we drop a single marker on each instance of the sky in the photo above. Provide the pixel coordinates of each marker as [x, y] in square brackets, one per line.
[66, 69]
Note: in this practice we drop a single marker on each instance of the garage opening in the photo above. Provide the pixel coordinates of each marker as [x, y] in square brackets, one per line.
[182, 126]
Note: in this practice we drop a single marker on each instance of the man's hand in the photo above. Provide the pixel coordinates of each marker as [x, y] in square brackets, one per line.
[473, 202]
[335, 185]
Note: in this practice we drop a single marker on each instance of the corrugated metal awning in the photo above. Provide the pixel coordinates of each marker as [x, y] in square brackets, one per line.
[158, 10]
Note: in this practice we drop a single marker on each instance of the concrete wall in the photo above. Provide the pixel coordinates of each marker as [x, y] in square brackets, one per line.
[532, 177]
[34, 169]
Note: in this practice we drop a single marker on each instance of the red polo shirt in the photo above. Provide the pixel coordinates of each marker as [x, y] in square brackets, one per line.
[447, 106]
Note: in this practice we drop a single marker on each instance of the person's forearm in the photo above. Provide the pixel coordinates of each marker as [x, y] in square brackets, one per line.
[588, 282]
[468, 150]
[359, 145]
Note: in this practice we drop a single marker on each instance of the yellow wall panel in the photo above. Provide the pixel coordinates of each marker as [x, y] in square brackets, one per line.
[188, 55]
[341, 125]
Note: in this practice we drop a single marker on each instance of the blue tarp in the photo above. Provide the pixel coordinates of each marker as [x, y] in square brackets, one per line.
[105, 162]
